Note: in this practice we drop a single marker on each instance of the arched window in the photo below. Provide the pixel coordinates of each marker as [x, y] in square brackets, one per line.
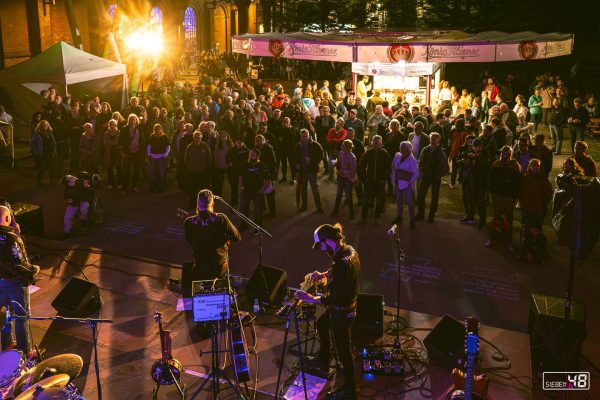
[156, 19]
[189, 28]
[112, 10]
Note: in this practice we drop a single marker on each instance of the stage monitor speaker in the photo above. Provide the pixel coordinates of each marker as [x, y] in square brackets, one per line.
[30, 218]
[267, 284]
[446, 342]
[78, 299]
[555, 341]
[369, 316]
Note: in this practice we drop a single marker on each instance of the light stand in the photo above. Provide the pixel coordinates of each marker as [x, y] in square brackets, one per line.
[399, 323]
[92, 322]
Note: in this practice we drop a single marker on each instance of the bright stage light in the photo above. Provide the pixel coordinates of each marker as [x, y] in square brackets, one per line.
[145, 42]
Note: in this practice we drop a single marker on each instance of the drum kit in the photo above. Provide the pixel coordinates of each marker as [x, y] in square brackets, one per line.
[23, 379]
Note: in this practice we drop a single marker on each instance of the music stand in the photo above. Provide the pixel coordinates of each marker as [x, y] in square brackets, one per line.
[206, 308]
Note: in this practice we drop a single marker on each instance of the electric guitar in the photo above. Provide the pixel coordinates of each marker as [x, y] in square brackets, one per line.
[308, 286]
[239, 350]
[468, 386]
[167, 370]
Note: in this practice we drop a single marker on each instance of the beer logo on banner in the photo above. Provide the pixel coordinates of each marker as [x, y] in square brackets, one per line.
[528, 50]
[397, 52]
[276, 47]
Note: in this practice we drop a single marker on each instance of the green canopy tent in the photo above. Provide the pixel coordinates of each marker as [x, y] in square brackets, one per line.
[67, 69]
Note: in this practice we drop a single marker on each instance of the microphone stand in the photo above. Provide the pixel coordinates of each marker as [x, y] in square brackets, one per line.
[260, 230]
[92, 322]
[398, 323]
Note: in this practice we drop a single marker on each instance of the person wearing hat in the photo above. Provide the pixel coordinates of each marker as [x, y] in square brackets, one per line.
[210, 234]
[16, 273]
[341, 291]
[254, 180]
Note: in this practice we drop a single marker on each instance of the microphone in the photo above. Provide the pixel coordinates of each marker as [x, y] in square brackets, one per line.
[393, 230]
[218, 198]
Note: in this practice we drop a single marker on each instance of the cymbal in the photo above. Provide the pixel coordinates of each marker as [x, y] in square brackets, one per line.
[69, 364]
[46, 389]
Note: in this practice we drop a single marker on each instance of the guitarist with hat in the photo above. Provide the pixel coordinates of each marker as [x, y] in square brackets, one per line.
[341, 291]
[16, 273]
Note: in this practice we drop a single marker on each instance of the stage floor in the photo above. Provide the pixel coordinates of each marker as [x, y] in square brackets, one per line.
[132, 289]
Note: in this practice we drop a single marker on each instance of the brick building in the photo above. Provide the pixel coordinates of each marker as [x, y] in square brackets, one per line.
[28, 27]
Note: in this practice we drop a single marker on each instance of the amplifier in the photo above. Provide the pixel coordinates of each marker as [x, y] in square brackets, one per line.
[382, 360]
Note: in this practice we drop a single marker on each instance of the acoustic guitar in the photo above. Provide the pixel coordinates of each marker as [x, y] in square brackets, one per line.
[467, 386]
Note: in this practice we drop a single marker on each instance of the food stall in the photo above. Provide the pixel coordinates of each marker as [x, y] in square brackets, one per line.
[415, 82]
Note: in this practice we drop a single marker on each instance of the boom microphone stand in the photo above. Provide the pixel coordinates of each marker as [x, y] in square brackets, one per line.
[398, 324]
[260, 230]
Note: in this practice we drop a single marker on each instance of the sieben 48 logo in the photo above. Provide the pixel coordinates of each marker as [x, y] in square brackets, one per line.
[566, 381]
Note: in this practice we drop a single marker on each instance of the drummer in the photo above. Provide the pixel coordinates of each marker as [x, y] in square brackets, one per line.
[16, 273]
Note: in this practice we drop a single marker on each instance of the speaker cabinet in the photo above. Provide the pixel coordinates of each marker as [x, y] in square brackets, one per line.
[267, 284]
[30, 218]
[369, 316]
[555, 341]
[446, 342]
[78, 299]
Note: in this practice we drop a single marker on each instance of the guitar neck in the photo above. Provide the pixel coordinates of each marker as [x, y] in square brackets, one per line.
[469, 376]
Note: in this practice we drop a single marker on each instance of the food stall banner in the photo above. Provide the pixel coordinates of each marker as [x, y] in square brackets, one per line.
[532, 50]
[392, 47]
[398, 69]
[302, 50]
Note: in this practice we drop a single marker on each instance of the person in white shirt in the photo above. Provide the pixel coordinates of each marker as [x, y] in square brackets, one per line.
[405, 172]
[363, 87]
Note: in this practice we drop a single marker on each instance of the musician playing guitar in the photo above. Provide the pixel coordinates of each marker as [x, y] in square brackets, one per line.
[341, 291]
[16, 274]
[210, 235]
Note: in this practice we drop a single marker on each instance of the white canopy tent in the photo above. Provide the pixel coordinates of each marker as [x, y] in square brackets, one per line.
[67, 69]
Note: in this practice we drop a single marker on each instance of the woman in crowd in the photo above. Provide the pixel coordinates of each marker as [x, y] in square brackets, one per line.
[405, 172]
[158, 149]
[89, 149]
[104, 116]
[132, 141]
[112, 154]
[535, 108]
[346, 177]
[43, 149]
[505, 185]
[221, 164]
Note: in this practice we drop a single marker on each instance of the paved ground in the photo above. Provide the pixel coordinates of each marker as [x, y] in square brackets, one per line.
[448, 269]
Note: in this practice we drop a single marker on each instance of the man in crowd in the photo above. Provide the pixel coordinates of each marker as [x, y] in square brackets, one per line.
[433, 165]
[356, 124]
[374, 171]
[585, 161]
[267, 156]
[307, 155]
[254, 180]
[198, 161]
[377, 123]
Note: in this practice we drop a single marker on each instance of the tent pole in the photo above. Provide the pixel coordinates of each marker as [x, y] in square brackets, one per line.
[73, 24]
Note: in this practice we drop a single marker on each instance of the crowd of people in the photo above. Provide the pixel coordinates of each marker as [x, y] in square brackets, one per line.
[254, 135]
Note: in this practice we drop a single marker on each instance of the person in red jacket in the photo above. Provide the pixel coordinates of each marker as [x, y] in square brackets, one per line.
[335, 136]
[492, 89]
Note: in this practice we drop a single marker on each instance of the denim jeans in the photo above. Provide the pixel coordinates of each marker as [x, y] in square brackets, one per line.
[11, 291]
[259, 204]
[376, 191]
[305, 179]
[556, 133]
[576, 134]
[158, 174]
[344, 185]
[407, 195]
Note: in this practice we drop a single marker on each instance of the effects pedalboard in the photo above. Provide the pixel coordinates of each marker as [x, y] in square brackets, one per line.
[382, 360]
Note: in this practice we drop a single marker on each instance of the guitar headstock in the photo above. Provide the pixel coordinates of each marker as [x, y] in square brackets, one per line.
[472, 339]
[157, 316]
[181, 213]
